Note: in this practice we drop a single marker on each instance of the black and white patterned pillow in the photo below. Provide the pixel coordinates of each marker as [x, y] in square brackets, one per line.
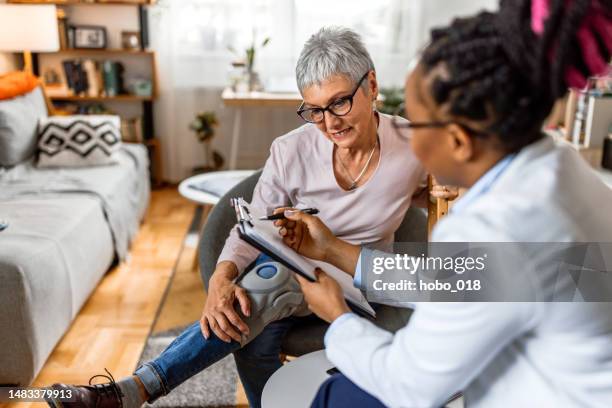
[79, 140]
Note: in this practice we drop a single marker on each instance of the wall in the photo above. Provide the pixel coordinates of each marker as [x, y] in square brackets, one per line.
[7, 60]
[181, 150]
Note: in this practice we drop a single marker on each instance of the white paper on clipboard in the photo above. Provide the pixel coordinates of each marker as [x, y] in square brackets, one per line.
[266, 238]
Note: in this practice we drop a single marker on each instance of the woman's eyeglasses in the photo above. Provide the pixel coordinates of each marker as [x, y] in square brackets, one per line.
[339, 107]
[399, 122]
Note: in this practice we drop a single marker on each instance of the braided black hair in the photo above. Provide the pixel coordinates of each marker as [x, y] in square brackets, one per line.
[501, 74]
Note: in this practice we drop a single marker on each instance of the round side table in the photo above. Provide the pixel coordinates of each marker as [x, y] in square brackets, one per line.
[296, 383]
[232, 177]
[219, 181]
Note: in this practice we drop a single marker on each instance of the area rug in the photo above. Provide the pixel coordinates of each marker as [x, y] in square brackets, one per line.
[213, 387]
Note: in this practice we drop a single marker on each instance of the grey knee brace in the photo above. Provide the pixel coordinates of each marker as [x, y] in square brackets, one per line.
[274, 293]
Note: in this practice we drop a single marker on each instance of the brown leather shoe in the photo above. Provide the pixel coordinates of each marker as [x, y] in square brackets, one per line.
[107, 395]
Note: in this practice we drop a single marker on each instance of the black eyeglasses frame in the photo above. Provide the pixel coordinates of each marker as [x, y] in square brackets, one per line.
[348, 98]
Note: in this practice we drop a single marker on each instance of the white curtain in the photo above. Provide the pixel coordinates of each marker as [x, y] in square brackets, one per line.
[192, 37]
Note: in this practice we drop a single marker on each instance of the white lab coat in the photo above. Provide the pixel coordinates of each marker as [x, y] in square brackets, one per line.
[500, 354]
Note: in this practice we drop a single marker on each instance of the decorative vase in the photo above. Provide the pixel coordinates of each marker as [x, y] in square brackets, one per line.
[254, 81]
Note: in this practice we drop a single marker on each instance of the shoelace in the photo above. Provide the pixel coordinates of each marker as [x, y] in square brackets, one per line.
[107, 390]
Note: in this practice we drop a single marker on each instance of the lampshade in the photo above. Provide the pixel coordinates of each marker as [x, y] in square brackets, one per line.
[28, 28]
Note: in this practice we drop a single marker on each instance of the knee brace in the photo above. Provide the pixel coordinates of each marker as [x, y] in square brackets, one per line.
[274, 294]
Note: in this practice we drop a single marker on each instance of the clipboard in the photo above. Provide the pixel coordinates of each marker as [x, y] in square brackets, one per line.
[263, 236]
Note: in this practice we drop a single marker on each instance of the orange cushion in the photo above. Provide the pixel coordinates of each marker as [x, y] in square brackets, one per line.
[17, 83]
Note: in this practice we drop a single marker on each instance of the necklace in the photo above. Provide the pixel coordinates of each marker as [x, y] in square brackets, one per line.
[353, 186]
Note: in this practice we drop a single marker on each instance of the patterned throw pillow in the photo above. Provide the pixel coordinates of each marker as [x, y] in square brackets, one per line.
[79, 140]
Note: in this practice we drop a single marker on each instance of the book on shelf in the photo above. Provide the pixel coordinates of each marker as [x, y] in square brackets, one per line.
[74, 76]
[131, 130]
[90, 68]
[111, 82]
[92, 78]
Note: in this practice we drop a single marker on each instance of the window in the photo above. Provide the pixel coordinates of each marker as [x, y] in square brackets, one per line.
[201, 32]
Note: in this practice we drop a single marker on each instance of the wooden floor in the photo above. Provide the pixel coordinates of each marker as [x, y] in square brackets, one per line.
[185, 299]
[111, 329]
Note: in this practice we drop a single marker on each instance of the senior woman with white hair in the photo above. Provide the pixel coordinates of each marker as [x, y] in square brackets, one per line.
[346, 161]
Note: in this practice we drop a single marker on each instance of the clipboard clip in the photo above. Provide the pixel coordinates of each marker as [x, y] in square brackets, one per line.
[242, 211]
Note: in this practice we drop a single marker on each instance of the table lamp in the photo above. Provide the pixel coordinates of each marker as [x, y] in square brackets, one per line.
[27, 29]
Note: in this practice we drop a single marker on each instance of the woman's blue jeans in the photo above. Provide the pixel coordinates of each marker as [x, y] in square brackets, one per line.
[191, 353]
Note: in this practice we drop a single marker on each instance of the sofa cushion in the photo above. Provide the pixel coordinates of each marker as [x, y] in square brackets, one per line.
[78, 141]
[18, 123]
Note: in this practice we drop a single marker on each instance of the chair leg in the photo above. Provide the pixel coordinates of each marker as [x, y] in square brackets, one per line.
[435, 211]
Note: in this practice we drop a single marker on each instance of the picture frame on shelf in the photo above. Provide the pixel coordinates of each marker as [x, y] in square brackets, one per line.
[130, 40]
[89, 37]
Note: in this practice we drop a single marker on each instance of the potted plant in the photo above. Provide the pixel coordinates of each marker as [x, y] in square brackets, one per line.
[254, 83]
[204, 125]
[391, 99]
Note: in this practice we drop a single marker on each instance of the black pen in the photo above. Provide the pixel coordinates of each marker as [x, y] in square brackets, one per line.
[281, 215]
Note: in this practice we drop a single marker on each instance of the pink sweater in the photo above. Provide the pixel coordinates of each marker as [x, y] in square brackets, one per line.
[299, 173]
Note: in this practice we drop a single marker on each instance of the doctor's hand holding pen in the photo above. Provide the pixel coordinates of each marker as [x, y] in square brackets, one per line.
[309, 236]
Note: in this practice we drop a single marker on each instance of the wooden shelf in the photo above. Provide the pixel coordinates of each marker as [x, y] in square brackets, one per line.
[86, 3]
[130, 56]
[104, 52]
[120, 98]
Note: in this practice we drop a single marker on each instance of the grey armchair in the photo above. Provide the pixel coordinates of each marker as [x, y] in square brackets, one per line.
[309, 336]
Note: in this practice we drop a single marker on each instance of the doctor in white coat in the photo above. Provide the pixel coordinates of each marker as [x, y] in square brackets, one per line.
[476, 102]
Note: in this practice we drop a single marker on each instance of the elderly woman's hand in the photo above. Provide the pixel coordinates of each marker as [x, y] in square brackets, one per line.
[219, 314]
[445, 192]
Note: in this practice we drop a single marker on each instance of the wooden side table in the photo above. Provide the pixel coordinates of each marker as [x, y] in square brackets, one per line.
[253, 99]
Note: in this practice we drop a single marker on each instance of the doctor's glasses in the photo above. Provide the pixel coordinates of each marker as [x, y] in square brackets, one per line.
[403, 126]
